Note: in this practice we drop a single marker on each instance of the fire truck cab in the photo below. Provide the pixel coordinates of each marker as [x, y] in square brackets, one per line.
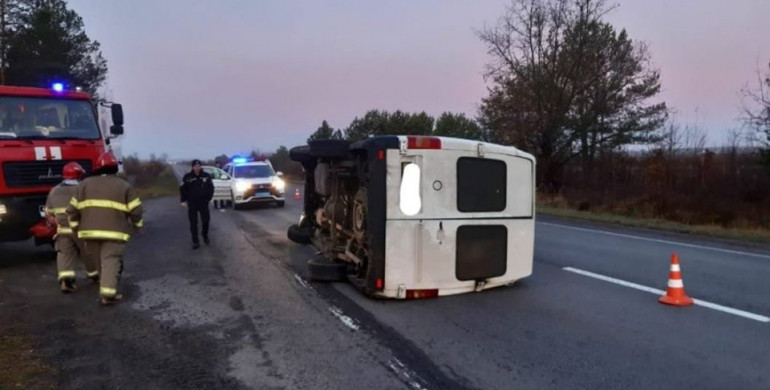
[41, 130]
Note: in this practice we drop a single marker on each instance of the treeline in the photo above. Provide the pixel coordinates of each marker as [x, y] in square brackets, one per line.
[380, 122]
[679, 179]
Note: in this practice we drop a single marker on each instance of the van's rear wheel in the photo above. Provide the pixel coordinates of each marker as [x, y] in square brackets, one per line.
[320, 269]
[298, 235]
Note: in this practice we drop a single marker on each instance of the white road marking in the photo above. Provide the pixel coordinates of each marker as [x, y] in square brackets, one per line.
[699, 302]
[303, 282]
[401, 370]
[349, 322]
[711, 248]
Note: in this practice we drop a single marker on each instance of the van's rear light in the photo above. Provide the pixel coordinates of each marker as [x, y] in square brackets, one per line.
[421, 294]
[379, 284]
[380, 154]
[419, 142]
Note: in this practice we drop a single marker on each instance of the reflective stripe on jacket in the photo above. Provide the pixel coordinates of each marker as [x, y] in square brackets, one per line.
[105, 208]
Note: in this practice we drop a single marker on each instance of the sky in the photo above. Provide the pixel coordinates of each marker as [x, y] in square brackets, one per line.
[200, 78]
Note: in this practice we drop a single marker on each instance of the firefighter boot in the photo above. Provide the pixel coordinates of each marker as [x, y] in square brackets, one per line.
[111, 300]
[67, 286]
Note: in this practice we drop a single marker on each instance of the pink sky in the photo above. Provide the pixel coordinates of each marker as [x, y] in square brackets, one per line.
[200, 78]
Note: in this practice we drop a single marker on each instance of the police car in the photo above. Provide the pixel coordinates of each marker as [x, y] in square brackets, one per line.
[254, 182]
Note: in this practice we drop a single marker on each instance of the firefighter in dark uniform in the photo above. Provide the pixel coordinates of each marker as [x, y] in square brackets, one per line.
[196, 192]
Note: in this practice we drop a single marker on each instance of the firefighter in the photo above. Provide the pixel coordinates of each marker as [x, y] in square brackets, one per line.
[104, 212]
[68, 246]
[196, 192]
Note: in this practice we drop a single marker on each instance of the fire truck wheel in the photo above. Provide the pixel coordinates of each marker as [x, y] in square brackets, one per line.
[322, 270]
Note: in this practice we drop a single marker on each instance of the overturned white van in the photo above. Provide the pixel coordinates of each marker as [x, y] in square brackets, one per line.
[415, 216]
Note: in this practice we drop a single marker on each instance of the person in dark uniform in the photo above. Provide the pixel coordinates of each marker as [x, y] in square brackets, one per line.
[196, 192]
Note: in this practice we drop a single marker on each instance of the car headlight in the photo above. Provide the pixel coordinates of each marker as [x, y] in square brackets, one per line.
[279, 185]
[3, 209]
[242, 186]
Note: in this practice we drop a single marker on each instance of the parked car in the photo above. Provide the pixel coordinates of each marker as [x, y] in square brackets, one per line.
[222, 182]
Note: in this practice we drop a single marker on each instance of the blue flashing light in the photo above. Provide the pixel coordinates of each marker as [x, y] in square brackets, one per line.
[240, 160]
[58, 87]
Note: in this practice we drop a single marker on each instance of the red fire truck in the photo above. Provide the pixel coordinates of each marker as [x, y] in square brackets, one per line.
[41, 130]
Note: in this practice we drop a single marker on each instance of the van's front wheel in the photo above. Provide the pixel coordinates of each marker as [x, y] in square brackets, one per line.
[320, 269]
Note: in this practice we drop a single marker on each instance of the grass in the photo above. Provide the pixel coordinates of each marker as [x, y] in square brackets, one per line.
[737, 234]
[20, 366]
[164, 185]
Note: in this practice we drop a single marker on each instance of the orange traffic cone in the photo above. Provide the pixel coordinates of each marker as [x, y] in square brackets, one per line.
[675, 294]
[296, 194]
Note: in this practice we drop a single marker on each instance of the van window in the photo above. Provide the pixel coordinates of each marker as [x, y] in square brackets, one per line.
[410, 202]
[481, 185]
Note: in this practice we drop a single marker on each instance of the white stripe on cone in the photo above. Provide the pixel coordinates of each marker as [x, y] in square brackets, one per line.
[675, 283]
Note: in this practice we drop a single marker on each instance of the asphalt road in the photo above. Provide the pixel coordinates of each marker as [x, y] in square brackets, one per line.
[562, 330]
[240, 314]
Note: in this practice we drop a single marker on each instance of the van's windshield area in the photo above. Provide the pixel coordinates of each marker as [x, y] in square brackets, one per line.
[43, 118]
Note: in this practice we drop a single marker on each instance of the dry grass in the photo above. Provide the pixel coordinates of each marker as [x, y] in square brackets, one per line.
[21, 367]
[558, 208]
[164, 184]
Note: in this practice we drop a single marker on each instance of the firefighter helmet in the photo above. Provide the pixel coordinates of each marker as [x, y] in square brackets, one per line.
[73, 171]
[106, 160]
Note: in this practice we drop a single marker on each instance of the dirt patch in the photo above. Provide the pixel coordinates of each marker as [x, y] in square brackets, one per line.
[21, 364]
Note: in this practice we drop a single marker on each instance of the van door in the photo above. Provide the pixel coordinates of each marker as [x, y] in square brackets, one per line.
[476, 216]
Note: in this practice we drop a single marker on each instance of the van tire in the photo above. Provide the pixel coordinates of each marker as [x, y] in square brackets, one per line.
[301, 154]
[329, 148]
[319, 269]
[299, 236]
[280, 204]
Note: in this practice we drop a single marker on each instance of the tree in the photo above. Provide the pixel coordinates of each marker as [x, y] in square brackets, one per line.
[457, 125]
[50, 45]
[566, 84]
[11, 12]
[376, 122]
[757, 110]
[221, 160]
[280, 159]
[325, 132]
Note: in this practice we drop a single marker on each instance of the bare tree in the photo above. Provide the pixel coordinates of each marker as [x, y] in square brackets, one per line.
[756, 109]
[564, 84]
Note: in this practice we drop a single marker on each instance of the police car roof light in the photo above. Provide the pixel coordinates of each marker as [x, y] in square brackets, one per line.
[58, 87]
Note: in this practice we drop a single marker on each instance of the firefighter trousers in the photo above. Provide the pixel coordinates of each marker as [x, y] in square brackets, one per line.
[110, 256]
[193, 209]
[68, 250]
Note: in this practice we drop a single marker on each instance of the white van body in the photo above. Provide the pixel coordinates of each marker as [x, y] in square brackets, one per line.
[422, 249]
[442, 215]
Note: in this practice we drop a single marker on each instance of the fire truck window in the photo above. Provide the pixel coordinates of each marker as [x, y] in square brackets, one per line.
[481, 185]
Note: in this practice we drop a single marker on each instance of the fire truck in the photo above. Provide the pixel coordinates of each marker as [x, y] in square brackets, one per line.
[41, 130]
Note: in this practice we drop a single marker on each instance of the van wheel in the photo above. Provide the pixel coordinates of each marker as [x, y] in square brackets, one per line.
[329, 148]
[300, 236]
[280, 204]
[301, 154]
[322, 270]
